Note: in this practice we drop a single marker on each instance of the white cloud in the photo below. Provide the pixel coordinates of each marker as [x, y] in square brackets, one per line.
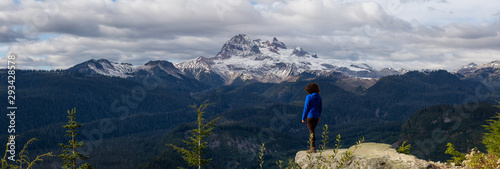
[412, 33]
[4, 50]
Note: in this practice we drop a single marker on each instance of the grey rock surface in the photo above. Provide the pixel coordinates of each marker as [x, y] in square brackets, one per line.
[366, 156]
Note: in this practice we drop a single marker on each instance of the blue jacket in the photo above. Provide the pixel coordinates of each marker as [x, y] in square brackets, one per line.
[312, 107]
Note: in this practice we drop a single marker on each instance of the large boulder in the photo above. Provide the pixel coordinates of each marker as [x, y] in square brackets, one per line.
[366, 156]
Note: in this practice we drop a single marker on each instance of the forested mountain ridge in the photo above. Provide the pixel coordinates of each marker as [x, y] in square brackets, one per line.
[431, 128]
[141, 116]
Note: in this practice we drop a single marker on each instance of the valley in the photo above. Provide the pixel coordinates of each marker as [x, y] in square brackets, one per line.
[130, 113]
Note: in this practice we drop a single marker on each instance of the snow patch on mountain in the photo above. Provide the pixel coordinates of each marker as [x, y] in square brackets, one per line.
[162, 66]
[494, 65]
[105, 67]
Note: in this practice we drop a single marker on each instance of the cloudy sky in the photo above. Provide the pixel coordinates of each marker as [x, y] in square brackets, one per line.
[412, 34]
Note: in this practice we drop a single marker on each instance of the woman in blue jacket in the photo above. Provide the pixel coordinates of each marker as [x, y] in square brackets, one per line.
[312, 112]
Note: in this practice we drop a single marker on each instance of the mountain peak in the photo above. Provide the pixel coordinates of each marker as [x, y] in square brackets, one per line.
[298, 51]
[271, 62]
[238, 45]
[278, 44]
[98, 63]
[494, 64]
[104, 67]
[158, 62]
[240, 39]
[471, 68]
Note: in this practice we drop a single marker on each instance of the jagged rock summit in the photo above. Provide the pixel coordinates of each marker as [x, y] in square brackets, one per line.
[368, 156]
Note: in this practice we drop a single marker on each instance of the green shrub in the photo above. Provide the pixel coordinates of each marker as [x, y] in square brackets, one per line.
[261, 154]
[491, 138]
[24, 160]
[405, 149]
[458, 157]
[479, 160]
[476, 159]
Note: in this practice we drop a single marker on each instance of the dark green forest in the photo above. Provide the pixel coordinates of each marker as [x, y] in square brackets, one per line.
[128, 122]
[429, 129]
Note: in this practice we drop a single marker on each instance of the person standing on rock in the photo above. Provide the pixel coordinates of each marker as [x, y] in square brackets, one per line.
[312, 112]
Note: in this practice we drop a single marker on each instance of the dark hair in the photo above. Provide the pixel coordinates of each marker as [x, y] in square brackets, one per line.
[312, 88]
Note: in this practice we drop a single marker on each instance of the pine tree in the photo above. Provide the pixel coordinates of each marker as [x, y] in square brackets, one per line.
[196, 144]
[70, 155]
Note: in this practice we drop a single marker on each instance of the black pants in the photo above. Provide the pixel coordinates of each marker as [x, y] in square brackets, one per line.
[311, 124]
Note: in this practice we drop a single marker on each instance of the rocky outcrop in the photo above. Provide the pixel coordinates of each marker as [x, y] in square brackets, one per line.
[366, 156]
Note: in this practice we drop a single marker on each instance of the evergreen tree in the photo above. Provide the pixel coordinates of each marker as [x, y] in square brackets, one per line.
[70, 155]
[491, 138]
[196, 143]
[458, 157]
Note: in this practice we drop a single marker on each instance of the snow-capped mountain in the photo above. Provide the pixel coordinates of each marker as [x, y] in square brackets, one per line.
[105, 67]
[266, 61]
[244, 59]
[467, 69]
[472, 67]
[488, 72]
[126, 70]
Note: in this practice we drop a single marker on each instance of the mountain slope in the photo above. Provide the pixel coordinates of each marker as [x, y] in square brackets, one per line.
[96, 95]
[105, 67]
[488, 73]
[252, 113]
[431, 128]
[397, 97]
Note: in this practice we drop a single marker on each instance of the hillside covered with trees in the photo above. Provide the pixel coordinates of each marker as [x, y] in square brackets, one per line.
[128, 125]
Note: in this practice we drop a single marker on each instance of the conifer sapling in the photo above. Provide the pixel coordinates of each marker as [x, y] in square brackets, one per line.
[70, 154]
